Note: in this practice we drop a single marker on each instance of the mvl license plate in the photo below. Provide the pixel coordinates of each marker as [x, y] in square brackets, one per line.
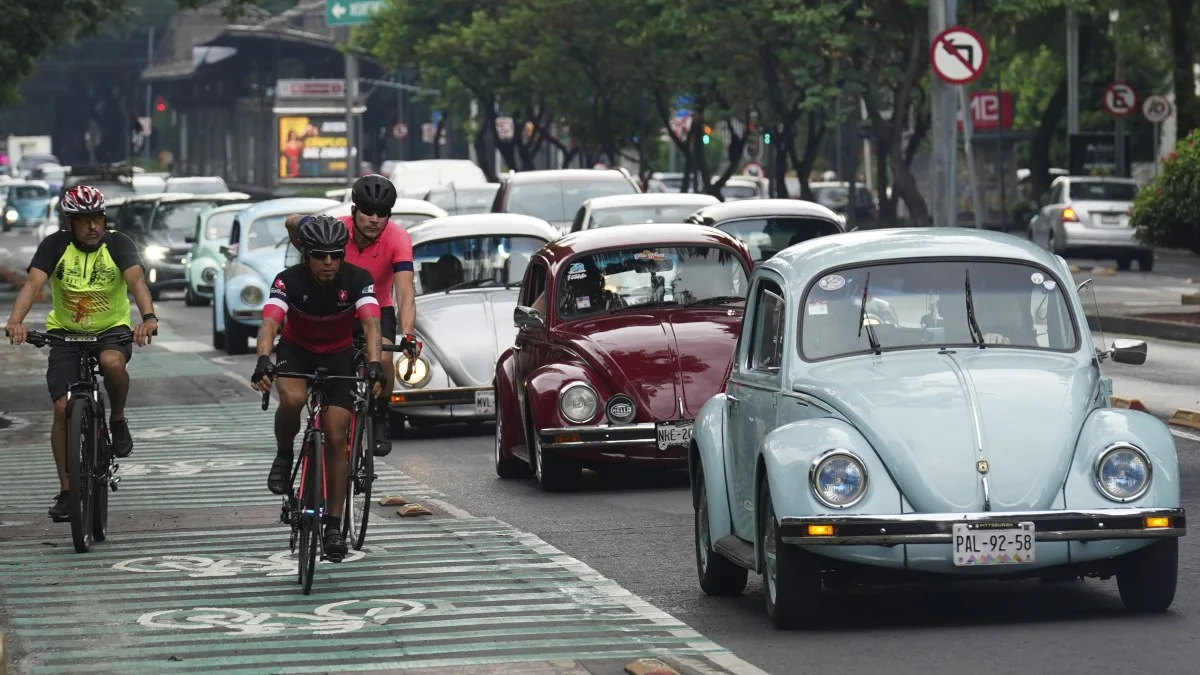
[485, 403]
[674, 434]
[993, 544]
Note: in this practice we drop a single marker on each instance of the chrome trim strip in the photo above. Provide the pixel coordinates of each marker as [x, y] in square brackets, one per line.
[428, 397]
[811, 400]
[600, 429]
[1044, 535]
[599, 435]
[972, 401]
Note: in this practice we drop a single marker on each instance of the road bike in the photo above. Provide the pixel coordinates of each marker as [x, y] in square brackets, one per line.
[304, 505]
[91, 465]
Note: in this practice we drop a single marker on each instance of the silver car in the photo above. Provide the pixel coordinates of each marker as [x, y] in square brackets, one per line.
[468, 274]
[1088, 216]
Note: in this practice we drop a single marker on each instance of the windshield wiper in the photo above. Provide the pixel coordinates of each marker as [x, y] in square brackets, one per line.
[976, 334]
[470, 284]
[862, 319]
[716, 300]
[645, 305]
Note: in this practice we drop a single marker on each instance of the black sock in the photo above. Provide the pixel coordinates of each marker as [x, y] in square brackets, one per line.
[332, 524]
[284, 452]
[382, 405]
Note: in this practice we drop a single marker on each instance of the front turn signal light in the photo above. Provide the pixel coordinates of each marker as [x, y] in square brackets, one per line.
[820, 530]
[1156, 522]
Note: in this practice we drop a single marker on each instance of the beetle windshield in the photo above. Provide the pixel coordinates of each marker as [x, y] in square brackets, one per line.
[647, 213]
[924, 304]
[265, 232]
[220, 225]
[767, 236]
[472, 262]
[663, 275]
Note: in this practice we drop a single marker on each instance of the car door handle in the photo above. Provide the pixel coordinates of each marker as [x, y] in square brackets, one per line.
[733, 398]
[516, 348]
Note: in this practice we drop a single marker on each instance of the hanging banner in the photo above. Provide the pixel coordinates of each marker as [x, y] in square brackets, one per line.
[312, 146]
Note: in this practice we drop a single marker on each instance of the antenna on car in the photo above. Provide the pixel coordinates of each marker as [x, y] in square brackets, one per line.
[1096, 305]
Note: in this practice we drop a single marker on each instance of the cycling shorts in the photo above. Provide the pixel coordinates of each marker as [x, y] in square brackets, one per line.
[62, 367]
[290, 358]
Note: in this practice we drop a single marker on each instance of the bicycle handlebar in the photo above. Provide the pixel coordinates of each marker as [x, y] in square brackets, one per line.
[39, 339]
[266, 399]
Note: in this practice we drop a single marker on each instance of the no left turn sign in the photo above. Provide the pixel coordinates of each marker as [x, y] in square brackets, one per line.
[1157, 109]
[958, 55]
[1120, 99]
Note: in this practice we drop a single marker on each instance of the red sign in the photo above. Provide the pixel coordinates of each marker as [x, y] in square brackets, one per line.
[990, 110]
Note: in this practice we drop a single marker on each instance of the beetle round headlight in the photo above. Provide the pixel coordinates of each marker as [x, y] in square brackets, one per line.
[578, 402]
[1123, 472]
[208, 275]
[252, 295]
[420, 374]
[838, 479]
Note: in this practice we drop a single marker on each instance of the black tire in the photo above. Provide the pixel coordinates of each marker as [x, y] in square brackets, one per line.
[507, 467]
[1148, 577]
[155, 293]
[192, 300]
[554, 472]
[1124, 264]
[81, 433]
[100, 496]
[218, 337]
[360, 476]
[235, 337]
[1146, 262]
[718, 575]
[792, 582]
[310, 525]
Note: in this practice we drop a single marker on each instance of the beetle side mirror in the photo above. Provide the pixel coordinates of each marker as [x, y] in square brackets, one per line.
[228, 252]
[190, 239]
[528, 317]
[1132, 352]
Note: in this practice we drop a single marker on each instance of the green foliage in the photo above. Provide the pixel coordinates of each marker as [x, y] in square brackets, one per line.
[1167, 211]
[33, 27]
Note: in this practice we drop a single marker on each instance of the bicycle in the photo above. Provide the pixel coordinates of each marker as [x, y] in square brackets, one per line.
[91, 465]
[304, 508]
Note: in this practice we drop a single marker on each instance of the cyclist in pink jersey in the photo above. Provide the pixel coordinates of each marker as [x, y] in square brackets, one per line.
[384, 249]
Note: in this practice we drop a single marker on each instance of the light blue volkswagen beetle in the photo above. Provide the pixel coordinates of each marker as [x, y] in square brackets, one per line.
[927, 404]
[255, 253]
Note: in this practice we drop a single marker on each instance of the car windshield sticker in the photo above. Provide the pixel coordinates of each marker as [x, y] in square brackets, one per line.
[583, 303]
[576, 268]
[1049, 284]
[576, 276]
[649, 255]
[831, 283]
[817, 307]
[1037, 277]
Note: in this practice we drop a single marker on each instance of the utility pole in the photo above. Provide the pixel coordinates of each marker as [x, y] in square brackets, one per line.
[1072, 72]
[149, 96]
[944, 131]
[351, 91]
[1119, 136]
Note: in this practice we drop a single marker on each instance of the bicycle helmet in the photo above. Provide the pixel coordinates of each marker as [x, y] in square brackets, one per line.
[323, 233]
[82, 200]
[374, 193]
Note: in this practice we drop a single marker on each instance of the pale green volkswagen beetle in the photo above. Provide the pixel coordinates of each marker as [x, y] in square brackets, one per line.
[925, 404]
[205, 260]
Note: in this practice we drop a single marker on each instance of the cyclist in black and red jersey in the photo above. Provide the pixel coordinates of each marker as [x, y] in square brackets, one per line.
[317, 302]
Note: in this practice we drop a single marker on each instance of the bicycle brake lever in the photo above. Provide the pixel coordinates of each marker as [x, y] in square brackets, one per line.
[266, 399]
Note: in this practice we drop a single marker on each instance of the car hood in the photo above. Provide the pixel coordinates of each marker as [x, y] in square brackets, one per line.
[172, 239]
[29, 208]
[467, 330]
[266, 261]
[670, 361]
[920, 410]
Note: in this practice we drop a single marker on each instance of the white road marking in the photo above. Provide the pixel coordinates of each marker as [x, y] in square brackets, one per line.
[1186, 434]
[183, 346]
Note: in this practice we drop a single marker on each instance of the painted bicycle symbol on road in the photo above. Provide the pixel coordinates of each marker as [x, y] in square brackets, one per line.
[334, 618]
[183, 467]
[200, 567]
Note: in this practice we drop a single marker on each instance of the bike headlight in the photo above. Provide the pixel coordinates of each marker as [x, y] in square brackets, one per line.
[420, 374]
[838, 479]
[155, 252]
[12, 215]
[1123, 472]
[208, 275]
[252, 295]
[578, 402]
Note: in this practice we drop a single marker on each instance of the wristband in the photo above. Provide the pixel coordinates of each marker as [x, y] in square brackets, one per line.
[147, 317]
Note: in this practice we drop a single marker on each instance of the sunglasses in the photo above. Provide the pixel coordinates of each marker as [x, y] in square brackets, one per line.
[327, 255]
[368, 211]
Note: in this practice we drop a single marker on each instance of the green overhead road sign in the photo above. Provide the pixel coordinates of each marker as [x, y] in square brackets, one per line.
[350, 12]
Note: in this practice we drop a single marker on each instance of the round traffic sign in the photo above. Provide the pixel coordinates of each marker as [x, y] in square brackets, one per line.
[753, 169]
[958, 55]
[1157, 109]
[1120, 99]
[399, 131]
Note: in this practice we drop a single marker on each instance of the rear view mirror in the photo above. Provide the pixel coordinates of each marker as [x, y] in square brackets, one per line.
[527, 317]
[1132, 352]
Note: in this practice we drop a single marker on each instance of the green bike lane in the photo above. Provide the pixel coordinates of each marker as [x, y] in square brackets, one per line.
[197, 574]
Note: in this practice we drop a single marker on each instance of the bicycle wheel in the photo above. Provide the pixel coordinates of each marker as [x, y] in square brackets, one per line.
[80, 453]
[359, 477]
[310, 541]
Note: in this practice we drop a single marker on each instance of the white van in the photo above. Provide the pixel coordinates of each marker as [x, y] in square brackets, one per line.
[415, 179]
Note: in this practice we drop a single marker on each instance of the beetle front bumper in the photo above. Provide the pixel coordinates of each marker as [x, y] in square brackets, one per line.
[936, 528]
[607, 443]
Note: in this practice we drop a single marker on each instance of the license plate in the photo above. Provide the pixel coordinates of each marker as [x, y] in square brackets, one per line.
[993, 544]
[485, 403]
[674, 434]
[1113, 221]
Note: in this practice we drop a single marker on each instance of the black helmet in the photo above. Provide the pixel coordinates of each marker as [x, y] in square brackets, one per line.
[323, 233]
[374, 193]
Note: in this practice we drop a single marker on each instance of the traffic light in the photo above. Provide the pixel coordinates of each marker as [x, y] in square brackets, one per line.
[707, 134]
[160, 104]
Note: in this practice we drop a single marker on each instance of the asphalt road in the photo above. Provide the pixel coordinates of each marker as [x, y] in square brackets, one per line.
[188, 495]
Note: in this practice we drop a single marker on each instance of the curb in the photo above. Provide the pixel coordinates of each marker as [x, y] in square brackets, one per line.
[1128, 403]
[1185, 418]
[1190, 299]
[1094, 271]
[1151, 328]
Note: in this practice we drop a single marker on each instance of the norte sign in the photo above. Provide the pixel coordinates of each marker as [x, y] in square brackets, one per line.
[350, 12]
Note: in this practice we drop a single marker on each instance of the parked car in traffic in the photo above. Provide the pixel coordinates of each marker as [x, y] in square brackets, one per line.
[663, 207]
[1088, 216]
[468, 273]
[927, 403]
[414, 179]
[737, 188]
[622, 334]
[205, 259]
[406, 212]
[767, 226]
[255, 253]
[555, 195]
[196, 185]
[835, 195]
[457, 200]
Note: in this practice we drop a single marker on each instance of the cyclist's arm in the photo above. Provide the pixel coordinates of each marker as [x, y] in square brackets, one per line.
[293, 228]
[274, 312]
[366, 306]
[33, 284]
[402, 282]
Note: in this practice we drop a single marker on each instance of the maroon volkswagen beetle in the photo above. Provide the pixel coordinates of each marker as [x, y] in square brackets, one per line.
[622, 334]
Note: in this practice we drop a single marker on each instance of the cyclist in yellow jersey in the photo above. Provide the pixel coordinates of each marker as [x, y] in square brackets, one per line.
[91, 272]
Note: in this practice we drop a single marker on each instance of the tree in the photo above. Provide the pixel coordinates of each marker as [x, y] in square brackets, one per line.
[32, 27]
[1167, 211]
